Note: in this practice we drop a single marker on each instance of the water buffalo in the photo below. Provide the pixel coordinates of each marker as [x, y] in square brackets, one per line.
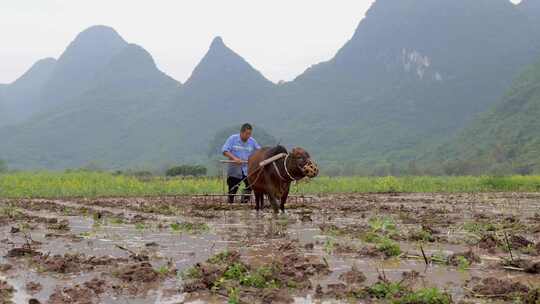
[275, 179]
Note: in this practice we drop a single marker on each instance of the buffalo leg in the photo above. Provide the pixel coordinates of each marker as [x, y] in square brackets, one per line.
[284, 200]
[259, 197]
[274, 203]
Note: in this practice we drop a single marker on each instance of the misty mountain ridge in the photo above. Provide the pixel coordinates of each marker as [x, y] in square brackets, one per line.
[504, 139]
[221, 64]
[415, 71]
[224, 81]
[21, 98]
[132, 67]
[413, 74]
[81, 62]
[114, 99]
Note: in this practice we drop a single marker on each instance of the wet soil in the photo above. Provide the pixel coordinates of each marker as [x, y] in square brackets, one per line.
[6, 292]
[332, 249]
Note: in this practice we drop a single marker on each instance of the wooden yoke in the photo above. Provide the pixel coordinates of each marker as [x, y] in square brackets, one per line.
[231, 161]
[261, 164]
[272, 159]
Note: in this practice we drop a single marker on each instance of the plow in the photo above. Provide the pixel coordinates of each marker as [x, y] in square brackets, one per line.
[222, 197]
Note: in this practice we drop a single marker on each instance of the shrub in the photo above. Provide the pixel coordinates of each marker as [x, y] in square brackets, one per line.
[186, 170]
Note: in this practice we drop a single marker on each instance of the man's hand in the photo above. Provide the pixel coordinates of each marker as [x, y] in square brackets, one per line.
[233, 158]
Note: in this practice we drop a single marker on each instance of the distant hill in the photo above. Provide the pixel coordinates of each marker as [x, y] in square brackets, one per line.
[532, 9]
[223, 90]
[3, 110]
[22, 98]
[49, 82]
[225, 70]
[78, 66]
[413, 74]
[115, 120]
[505, 139]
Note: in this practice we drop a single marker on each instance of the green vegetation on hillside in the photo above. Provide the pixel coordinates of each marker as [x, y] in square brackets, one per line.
[504, 140]
[186, 170]
[413, 74]
[3, 166]
[99, 184]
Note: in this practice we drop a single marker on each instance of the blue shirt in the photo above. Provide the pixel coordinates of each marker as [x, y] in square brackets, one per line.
[242, 150]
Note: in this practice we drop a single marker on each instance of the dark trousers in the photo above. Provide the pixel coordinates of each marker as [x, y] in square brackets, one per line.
[234, 184]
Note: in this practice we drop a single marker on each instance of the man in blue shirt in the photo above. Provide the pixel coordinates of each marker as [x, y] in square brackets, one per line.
[238, 148]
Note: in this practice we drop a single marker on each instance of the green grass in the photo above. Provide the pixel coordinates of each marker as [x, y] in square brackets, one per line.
[421, 235]
[386, 290]
[10, 211]
[101, 184]
[191, 273]
[479, 227]
[220, 257]
[425, 296]
[463, 263]
[259, 278]
[234, 296]
[382, 224]
[116, 221]
[140, 226]
[329, 246]
[162, 270]
[396, 293]
[389, 247]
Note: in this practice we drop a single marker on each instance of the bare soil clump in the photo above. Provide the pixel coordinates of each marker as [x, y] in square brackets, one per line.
[74, 295]
[457, 258]
[504, 289]
[6, 292]
[353, 276]
[273, 282]
[73, 263]
[23, 251]
[33, 287]
[137, 272]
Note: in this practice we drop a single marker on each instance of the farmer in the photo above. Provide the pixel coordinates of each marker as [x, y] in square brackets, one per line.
[238, 148]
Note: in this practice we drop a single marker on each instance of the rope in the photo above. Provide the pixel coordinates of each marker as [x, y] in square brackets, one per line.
[259, 171]
[291, 178]
[277, 171]
[245, 178]
[287, 170]
[262, 167]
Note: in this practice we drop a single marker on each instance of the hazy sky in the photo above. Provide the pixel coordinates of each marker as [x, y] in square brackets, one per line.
[281, 38]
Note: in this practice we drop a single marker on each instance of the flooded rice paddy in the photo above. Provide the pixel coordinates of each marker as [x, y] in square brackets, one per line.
[370, 248]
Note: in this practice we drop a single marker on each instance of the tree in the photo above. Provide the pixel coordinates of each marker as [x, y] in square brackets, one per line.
[412, 168]
[186, 170]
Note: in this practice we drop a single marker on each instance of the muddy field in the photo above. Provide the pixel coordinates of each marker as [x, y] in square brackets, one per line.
[398, 248]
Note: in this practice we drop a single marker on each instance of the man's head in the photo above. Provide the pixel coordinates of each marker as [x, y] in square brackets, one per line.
[246, 131]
